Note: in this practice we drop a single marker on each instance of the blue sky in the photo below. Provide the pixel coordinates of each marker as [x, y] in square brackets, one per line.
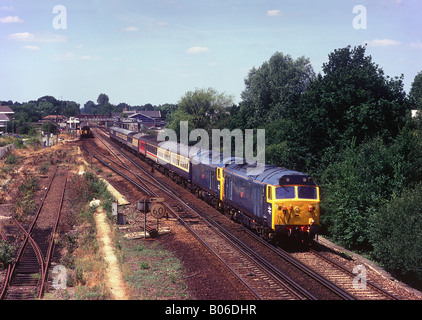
[142, 51]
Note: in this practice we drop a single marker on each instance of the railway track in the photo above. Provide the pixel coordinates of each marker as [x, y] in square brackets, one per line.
[254, 275]
[261, 277]
[27, 276]
[355, 283]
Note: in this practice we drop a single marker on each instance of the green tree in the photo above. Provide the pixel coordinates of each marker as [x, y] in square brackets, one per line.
[352, 101]
[104, 106]
[90, 107]
[202, 108]
[103, 99]
[273, 90]
[396, 235]
[49, 126]
[70, 109]
[415, 93]
[353, 190]
[357, 188]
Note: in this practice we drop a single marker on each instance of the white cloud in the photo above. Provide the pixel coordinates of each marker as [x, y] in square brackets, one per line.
[416, 45]
[45, 38]
[70, 56]
[130, 29]
[197, 50]
[10, 19]
[31, 48]
[23, 36]
[161, 24]
[382, 43]
[7, 8]
[274, 13]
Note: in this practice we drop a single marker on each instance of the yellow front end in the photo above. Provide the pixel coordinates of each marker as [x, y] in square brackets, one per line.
[295, 212]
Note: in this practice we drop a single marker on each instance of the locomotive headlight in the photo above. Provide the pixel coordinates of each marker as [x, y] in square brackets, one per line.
[297, 209]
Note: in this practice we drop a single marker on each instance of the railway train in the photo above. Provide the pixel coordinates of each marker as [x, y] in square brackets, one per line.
[85, 132]
[277, 203]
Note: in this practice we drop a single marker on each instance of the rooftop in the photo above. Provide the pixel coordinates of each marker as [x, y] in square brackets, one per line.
[6, 109]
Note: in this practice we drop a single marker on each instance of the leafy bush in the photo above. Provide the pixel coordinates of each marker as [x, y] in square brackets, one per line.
[353, 189]
[25, 204]
[86, 187]
[396, 236]
[6, 253]
[12, 159]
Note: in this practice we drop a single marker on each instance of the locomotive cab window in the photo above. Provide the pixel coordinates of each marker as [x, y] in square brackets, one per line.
[269, 193]
[285, 192]
[307, 193]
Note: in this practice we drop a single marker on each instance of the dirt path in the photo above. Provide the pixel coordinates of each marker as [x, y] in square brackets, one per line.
[113, 275]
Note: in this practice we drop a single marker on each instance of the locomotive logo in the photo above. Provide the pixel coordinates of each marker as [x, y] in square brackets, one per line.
[269, 209]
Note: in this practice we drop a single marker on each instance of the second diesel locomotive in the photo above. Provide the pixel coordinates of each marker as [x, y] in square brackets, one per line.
[278, 203]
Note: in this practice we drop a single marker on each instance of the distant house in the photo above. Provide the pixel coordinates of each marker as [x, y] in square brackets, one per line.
[141, 118]
[3, 120]
[5, 114]
[153, 114]
[55, 118]
[135, 120]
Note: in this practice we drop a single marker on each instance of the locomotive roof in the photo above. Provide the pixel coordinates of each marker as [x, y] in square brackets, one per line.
[270, 174]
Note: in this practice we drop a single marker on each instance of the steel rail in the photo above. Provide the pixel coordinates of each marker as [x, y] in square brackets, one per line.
[277, 274]
[21, 250]
[154, 181]
[371, 284]
[117, 171]
[152, 193]
[52, 242]
[283, 254]
[9, 268]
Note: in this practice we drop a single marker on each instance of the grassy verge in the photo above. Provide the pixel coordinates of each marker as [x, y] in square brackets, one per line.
[81, 256]
[151, 272]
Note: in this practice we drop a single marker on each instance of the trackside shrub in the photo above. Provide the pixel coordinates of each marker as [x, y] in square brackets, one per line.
[396, 236]
[6, 254]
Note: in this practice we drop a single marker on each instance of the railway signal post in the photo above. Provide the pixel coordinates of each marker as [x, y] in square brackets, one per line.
[153, 206]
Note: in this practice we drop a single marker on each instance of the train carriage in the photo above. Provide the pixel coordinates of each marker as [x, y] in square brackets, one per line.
[141, 143]
[150, 145]
[123, 136]
[175, 157]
